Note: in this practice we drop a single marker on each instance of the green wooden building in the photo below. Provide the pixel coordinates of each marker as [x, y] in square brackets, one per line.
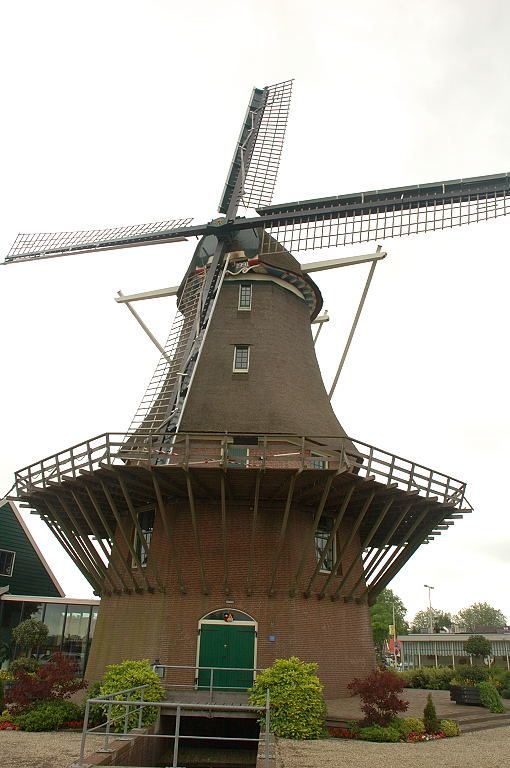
[23, 569]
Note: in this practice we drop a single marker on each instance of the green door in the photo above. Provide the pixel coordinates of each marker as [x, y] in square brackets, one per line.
[227, 645]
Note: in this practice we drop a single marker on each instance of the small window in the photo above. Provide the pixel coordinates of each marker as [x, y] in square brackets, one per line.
[146, 523]
[322, 535]
[6, 562]
[241, 358]
[244, 297]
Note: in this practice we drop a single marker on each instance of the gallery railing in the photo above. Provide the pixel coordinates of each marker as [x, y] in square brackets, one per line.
[232, 451]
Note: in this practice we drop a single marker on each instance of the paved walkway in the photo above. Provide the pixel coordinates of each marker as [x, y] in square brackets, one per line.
[349, 708]
[488, 749]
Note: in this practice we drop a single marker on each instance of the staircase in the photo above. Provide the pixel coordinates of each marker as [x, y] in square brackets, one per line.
[482, 721]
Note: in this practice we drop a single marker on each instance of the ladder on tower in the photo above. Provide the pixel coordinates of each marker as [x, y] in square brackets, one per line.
[161, 408]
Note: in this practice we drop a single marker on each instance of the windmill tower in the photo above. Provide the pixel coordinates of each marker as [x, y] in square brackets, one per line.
[235, 522]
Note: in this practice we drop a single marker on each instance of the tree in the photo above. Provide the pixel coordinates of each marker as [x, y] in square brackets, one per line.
[478, 645]
[29, 634]
[381, 615]
[440, 620]
[480, 615]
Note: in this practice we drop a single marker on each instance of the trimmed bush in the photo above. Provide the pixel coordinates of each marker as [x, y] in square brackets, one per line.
[430, 719]
[96, 713]
[380, 701]
[450, 728]
[130, 674]
[407, 725]
[23, 664]
[298, 710]
[490, 698]
[505, 693]
[465, 674]
[47, 716]
[478, 645]
[431, 678]
[29, 634]
[379, 733]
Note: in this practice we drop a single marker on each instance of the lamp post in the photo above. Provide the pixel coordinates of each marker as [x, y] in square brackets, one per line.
[431, 627]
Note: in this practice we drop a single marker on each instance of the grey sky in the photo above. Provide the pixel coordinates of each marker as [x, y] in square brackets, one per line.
[126, 112]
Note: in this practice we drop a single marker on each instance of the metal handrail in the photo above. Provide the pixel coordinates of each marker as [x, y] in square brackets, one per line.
[141, 704]
[212, 670]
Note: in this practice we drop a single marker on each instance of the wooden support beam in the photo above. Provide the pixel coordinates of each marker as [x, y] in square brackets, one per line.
[168, 531]
[310, 540]
[349, 541]
[74, 544]
[392, 569]
[99, 540]
[134, 517]
[249, 580]
[127, 539]
[366, 542]
[283, 530]
[331, 537]
[369, 568]
[226, 588]
[89, 547]
[191, 499]
[111, 536]
[71, 553]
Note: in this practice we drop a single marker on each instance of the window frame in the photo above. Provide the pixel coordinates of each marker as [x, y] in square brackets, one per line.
[235, 369]
[143, 556]
[9, 552]
[240, 306]
[319, 551]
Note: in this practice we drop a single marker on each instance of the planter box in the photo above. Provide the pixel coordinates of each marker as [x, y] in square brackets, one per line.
[463, 694]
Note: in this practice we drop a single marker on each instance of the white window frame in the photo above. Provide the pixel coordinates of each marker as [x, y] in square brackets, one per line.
[9, 552]
[323, 569]
[239, 306]
[241, 370]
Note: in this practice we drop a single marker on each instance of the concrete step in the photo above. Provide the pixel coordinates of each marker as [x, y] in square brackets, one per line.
[486, 724]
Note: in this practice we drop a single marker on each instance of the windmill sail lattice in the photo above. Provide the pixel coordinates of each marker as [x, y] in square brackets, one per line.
[47, 244]
[158, 399]
[265, 160]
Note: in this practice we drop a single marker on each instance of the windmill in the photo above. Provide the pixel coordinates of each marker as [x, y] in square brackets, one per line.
[235, 491]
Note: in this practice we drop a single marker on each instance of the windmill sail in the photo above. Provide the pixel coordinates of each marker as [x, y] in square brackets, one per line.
[45, 245]
[356, 218]
[252, 175]
[162, 405]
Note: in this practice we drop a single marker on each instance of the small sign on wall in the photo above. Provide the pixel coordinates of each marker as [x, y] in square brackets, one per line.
[272, 638]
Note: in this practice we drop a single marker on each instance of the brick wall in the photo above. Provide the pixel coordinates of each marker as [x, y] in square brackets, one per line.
[164, 625]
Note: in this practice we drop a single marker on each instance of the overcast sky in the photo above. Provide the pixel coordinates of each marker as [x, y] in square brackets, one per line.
[119, 112]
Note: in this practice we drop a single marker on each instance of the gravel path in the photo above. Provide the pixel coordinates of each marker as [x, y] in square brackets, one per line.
[486, 749]
[19, 749]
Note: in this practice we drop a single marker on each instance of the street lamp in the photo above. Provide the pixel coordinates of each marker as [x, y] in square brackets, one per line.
[431, 628]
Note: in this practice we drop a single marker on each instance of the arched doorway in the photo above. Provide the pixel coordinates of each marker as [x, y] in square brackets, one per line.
[227, 643]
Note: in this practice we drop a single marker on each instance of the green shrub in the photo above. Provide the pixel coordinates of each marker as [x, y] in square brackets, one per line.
[499, 677]
[469, 675]
[298, 710]
[1, 694]
[96, 713]
[505, 693]
[433, 678]
[490, 698]
[407, 725]
[430, 719]
[450, 728]
[130, 674]
[47, 715]
[379, 733]
[23, 664]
